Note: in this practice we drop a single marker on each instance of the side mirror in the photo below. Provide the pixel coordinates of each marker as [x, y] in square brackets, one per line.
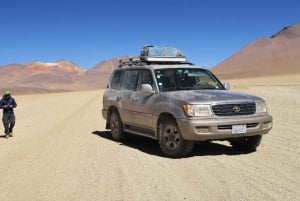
[226, 85]
[147, 88]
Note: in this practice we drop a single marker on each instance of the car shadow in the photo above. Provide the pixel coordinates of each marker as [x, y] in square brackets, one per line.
[140, 143]
[151, 146]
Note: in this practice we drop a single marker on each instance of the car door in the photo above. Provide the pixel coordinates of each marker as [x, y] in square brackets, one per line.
[127, 99]
[143, 102]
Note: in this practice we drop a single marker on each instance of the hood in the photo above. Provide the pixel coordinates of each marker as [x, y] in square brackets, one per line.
[210, 96]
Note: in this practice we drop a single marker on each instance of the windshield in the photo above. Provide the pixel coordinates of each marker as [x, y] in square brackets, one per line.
[186, 79]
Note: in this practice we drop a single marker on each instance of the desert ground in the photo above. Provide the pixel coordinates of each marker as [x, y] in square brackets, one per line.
[61, 152]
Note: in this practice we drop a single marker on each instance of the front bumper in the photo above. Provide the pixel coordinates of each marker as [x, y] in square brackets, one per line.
[221, 128]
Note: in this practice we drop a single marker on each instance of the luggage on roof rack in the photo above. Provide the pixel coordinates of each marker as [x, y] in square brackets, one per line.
[155, 55]
[152, 53]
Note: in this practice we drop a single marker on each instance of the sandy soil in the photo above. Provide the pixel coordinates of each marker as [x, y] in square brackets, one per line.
[61, 152]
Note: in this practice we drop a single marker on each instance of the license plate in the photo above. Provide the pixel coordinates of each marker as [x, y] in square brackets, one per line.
[238, 129]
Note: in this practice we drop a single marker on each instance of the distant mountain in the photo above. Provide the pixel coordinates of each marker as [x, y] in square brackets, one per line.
[59, 76]
[55, 76]
[98, 76]
[276, 55]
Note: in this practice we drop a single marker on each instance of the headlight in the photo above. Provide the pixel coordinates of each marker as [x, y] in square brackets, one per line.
[261, 107]
[197, 110]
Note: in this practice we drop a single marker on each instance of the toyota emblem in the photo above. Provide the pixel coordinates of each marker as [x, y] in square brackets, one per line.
[236, 109]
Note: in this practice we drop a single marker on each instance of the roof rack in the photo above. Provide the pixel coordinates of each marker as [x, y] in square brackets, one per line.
[156, 55]
[137, 61]
[130, 61]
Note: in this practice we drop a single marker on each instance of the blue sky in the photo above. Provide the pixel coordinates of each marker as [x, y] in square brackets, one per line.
[88, 32]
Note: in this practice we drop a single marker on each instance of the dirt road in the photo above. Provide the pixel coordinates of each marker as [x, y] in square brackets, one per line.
[61, 152]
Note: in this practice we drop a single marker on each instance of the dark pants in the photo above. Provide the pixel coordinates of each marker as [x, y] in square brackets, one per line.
[8, 122]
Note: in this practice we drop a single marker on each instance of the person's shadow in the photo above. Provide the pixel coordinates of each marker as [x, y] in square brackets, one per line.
[151, 146]
[3, 136]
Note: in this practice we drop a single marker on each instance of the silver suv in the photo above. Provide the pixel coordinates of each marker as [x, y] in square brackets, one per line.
[161, 96]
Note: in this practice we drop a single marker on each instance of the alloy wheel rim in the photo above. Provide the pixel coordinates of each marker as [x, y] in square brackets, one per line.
[114, 125]
[172, 137]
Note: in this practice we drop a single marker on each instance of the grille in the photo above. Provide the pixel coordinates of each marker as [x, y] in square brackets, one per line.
[234, 109]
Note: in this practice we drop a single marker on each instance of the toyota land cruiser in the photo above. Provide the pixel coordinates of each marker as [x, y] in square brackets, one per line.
[162, 96]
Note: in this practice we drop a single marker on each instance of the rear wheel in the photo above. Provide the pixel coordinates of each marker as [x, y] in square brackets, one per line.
[116, 126]
[171, 142]
[249, 143]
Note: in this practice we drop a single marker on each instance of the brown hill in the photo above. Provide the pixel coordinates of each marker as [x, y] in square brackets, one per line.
[40, 76]
[60, 76]
[98, 76]
[274, 56]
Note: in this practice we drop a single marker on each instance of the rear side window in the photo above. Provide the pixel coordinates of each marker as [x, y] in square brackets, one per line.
[116, 80]
[130, 80]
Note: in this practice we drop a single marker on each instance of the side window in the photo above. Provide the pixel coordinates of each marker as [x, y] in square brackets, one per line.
[130, 80]
[145, 77]
[166, 79]
[115, 82]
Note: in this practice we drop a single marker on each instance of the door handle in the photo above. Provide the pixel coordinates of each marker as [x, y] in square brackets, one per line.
[134, 99]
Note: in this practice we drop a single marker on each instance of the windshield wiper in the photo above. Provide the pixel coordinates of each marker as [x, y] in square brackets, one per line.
[187, 88]
[169, 89]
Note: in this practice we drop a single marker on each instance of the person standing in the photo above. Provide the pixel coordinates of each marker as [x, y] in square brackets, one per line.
[8, 103]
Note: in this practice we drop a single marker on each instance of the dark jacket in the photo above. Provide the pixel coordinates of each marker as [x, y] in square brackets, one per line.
[10, 102]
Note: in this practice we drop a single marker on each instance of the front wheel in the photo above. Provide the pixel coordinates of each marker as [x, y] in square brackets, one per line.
[171, 142]
[249, 143]
[116, 126]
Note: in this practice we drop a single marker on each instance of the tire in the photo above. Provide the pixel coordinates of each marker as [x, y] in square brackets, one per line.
[249, 143]
[171, 142]
[116, 126]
